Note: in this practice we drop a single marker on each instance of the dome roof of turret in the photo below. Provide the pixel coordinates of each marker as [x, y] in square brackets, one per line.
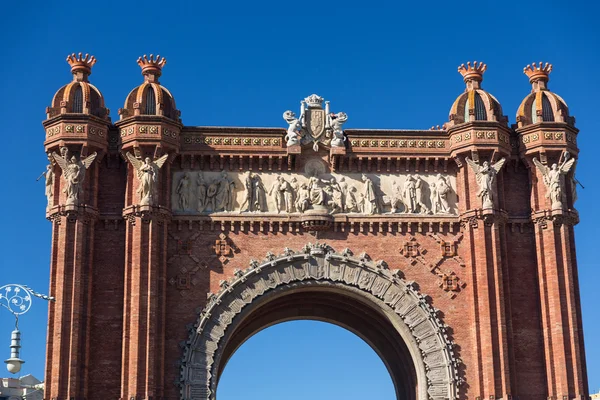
[150, 98]
[79, 96]
[541, 105]
[475, 104]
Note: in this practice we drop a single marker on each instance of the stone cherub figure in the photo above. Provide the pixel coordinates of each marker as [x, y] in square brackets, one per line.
[336, 121]
[486, 180]
[73, 171]
[553, 179]
[294, 133]
[147, 174]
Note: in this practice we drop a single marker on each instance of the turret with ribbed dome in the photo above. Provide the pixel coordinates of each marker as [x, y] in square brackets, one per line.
[150, 98]
[475, 104]
[79, 96]
[541, 105]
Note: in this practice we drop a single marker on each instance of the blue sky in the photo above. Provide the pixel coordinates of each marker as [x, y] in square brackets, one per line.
[387, 65]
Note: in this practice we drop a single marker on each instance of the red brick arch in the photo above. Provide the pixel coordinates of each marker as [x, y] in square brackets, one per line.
[353, 292]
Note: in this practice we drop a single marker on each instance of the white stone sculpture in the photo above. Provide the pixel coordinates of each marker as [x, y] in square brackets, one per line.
[371, 199]
[225, 193]
[420, 188]
[409, 193]
[553, 179]
[294, 130]
[282, 193]
[334, 196]
[486, 180]
[201, 193]
[315, 124]
[183, 191]
[73, 171]
[439, 195]
[335, 122]
[352, 204]
[303, 198]
[433, 198]
[49, 178]
[574, 183]
[256, 194]
[395, 200]
[147, 175]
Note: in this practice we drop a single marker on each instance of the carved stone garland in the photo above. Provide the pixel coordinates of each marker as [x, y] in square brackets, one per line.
[203, 350]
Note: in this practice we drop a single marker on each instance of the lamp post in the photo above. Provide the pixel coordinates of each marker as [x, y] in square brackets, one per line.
[17, 299]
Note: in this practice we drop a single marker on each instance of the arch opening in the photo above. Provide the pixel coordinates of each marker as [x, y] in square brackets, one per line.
[337, 305]
[316, 283]
[326, 361]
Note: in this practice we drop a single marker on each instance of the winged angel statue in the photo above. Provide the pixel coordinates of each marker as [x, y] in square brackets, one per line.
[73, 171]
[552, 179]
[147, 174]
[486, 180]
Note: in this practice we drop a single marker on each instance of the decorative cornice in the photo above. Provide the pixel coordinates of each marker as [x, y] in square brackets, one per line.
[72, 213]
[146, 214]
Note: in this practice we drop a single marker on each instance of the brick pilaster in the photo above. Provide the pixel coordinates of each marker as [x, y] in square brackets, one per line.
[144, 309]
[68, 332]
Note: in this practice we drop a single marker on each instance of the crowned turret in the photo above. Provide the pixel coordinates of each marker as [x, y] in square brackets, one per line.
[475, 104]
[79, 96]
[541, 105]
[150, 98]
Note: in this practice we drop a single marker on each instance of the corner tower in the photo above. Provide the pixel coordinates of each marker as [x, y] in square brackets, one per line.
[547, 143]
[480, 145]
[150, 132]
[77, 128]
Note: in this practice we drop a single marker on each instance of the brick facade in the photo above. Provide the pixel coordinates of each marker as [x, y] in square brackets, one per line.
[131, 279]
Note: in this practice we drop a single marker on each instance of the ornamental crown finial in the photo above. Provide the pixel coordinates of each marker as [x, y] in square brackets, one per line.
[314, 101]
[538, 72]
[81, 63]
[151, 65]
[472, 72]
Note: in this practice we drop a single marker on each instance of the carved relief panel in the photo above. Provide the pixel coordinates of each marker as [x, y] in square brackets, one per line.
[206, 192]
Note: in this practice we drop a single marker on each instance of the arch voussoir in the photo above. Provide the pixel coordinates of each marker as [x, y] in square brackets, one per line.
[319, 265]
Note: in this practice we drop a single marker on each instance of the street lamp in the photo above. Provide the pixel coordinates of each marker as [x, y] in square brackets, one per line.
[17, 300]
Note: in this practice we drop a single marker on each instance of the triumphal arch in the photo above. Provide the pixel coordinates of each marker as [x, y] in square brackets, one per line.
[450, 251]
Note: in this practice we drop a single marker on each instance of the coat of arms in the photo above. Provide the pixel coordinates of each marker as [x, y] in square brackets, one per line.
[315, 124]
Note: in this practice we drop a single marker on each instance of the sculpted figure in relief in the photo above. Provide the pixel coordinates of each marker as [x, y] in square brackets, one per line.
[553, 179]
[256, 194]
[211, 194]
[486, 180]
[336, 121]
[147, 175]
[344, 189]
[303, 198]
[371, 199]
[409, 193]
[439, 195]
[420, 187]
[225, 193]
[317, 192]
[259, 194]
[293, 134]
[396, 199]
[352, 204]
[283, 195]
[73, 171]
[183, 191]
[201, 205]
[334, 196]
